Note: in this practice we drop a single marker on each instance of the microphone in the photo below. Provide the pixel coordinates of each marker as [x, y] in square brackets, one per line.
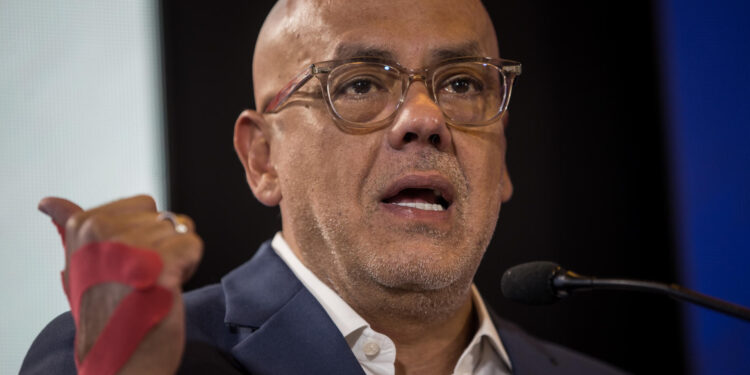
[542, 283]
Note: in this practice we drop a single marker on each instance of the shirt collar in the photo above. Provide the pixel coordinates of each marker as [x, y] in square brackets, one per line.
[344, 317]
[350, 323]
[486, 328]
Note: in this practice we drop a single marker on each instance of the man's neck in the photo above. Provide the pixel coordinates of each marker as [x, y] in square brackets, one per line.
[428, 346]
[430, 329]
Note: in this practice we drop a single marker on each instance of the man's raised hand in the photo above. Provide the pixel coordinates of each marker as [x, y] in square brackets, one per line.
[132, 223]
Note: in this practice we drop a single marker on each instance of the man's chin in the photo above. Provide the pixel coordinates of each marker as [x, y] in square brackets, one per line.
[408, 290]
[421, 271]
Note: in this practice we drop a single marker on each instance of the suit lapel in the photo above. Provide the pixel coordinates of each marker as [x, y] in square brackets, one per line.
[527, 355]
[286, 329]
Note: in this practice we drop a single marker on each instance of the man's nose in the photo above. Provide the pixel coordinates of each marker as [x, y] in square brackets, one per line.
[419, 122]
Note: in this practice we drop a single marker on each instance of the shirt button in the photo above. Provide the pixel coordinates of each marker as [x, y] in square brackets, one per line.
[371, 348]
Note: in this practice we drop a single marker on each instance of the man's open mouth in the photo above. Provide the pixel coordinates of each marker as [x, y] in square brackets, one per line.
[428, 193]
[423, 199]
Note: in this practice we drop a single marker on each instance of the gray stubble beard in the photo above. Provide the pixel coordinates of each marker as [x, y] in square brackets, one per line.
[419, 288]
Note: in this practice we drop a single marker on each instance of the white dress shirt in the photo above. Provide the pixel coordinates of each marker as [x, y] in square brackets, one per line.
[485, 354]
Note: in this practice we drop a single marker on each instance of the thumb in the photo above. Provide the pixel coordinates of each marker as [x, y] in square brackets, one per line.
[59, 210]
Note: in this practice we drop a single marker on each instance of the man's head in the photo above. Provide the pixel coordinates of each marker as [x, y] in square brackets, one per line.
[345, 196]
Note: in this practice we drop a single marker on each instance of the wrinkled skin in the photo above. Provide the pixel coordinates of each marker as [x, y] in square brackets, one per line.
[330, 183]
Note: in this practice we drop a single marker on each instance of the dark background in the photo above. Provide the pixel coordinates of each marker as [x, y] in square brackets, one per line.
[586, 156]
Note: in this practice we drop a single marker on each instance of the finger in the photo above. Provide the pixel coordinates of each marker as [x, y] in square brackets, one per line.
[148, 234]
[58, 209]
[144, 230]
[103, 227]
[125, 224]
[132, 224]
[183, 252]
[149, 218]
[184, 219]
[138, 203]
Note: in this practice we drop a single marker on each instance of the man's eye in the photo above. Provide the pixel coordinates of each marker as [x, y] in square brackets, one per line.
[360, 86]
[462, 85]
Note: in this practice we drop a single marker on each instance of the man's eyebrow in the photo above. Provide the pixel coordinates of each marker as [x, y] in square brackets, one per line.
[347, 51]
[461, 50]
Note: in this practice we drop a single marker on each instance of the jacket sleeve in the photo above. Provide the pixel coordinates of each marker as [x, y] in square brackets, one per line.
[52, 351]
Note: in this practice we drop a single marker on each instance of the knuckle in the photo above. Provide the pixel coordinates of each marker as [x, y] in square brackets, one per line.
[164, 225]
[185, 252]
[186, 245]
[93, 228]
[195, 241]
[146, 201]
[75, 221]
[194, 249]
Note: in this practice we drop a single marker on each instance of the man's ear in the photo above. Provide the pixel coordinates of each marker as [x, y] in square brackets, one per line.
[251, 141]
[506, 185]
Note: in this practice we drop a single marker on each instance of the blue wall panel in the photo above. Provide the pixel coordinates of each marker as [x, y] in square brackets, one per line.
[706, 66]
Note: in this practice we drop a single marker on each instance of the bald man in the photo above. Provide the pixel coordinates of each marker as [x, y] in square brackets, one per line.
[380, 135]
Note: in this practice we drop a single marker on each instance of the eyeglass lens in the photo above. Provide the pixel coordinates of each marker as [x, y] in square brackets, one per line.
[367, 92]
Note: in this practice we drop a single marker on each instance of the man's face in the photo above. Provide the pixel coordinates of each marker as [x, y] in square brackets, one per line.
[345, 197]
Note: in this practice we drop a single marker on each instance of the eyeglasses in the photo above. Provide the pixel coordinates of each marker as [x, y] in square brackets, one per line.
[365, 93]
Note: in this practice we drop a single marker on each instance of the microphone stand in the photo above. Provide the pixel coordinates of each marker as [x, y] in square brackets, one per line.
[569, 282]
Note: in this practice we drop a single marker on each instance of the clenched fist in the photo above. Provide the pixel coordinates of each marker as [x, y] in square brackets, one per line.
[134, 222]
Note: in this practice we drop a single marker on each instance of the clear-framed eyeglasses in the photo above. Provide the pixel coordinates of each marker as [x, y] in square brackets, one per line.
[365, 93]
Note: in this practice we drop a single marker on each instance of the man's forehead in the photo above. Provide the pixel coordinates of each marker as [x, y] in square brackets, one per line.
[333, 28]
[414, 33]
[433, 29]
[350, 49]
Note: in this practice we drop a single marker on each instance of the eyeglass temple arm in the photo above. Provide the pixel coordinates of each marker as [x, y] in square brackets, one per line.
[298, 81]
[512, 69]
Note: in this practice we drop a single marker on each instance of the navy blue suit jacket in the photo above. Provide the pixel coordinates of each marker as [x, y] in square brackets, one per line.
[262, 320]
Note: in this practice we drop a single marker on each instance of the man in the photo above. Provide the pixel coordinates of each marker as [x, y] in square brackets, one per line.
[389, 172]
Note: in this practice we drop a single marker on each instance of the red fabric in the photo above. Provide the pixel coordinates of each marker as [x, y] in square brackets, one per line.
[139, 311]
[136, 314]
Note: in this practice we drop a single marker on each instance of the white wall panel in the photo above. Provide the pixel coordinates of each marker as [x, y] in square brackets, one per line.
[80, 117]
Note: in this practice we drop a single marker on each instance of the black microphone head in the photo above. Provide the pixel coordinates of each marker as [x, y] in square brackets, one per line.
[530, 283]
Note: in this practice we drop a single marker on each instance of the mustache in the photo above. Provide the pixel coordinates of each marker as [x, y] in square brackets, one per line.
[427, 160]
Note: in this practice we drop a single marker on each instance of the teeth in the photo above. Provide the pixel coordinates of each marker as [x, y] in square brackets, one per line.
[421, 206]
